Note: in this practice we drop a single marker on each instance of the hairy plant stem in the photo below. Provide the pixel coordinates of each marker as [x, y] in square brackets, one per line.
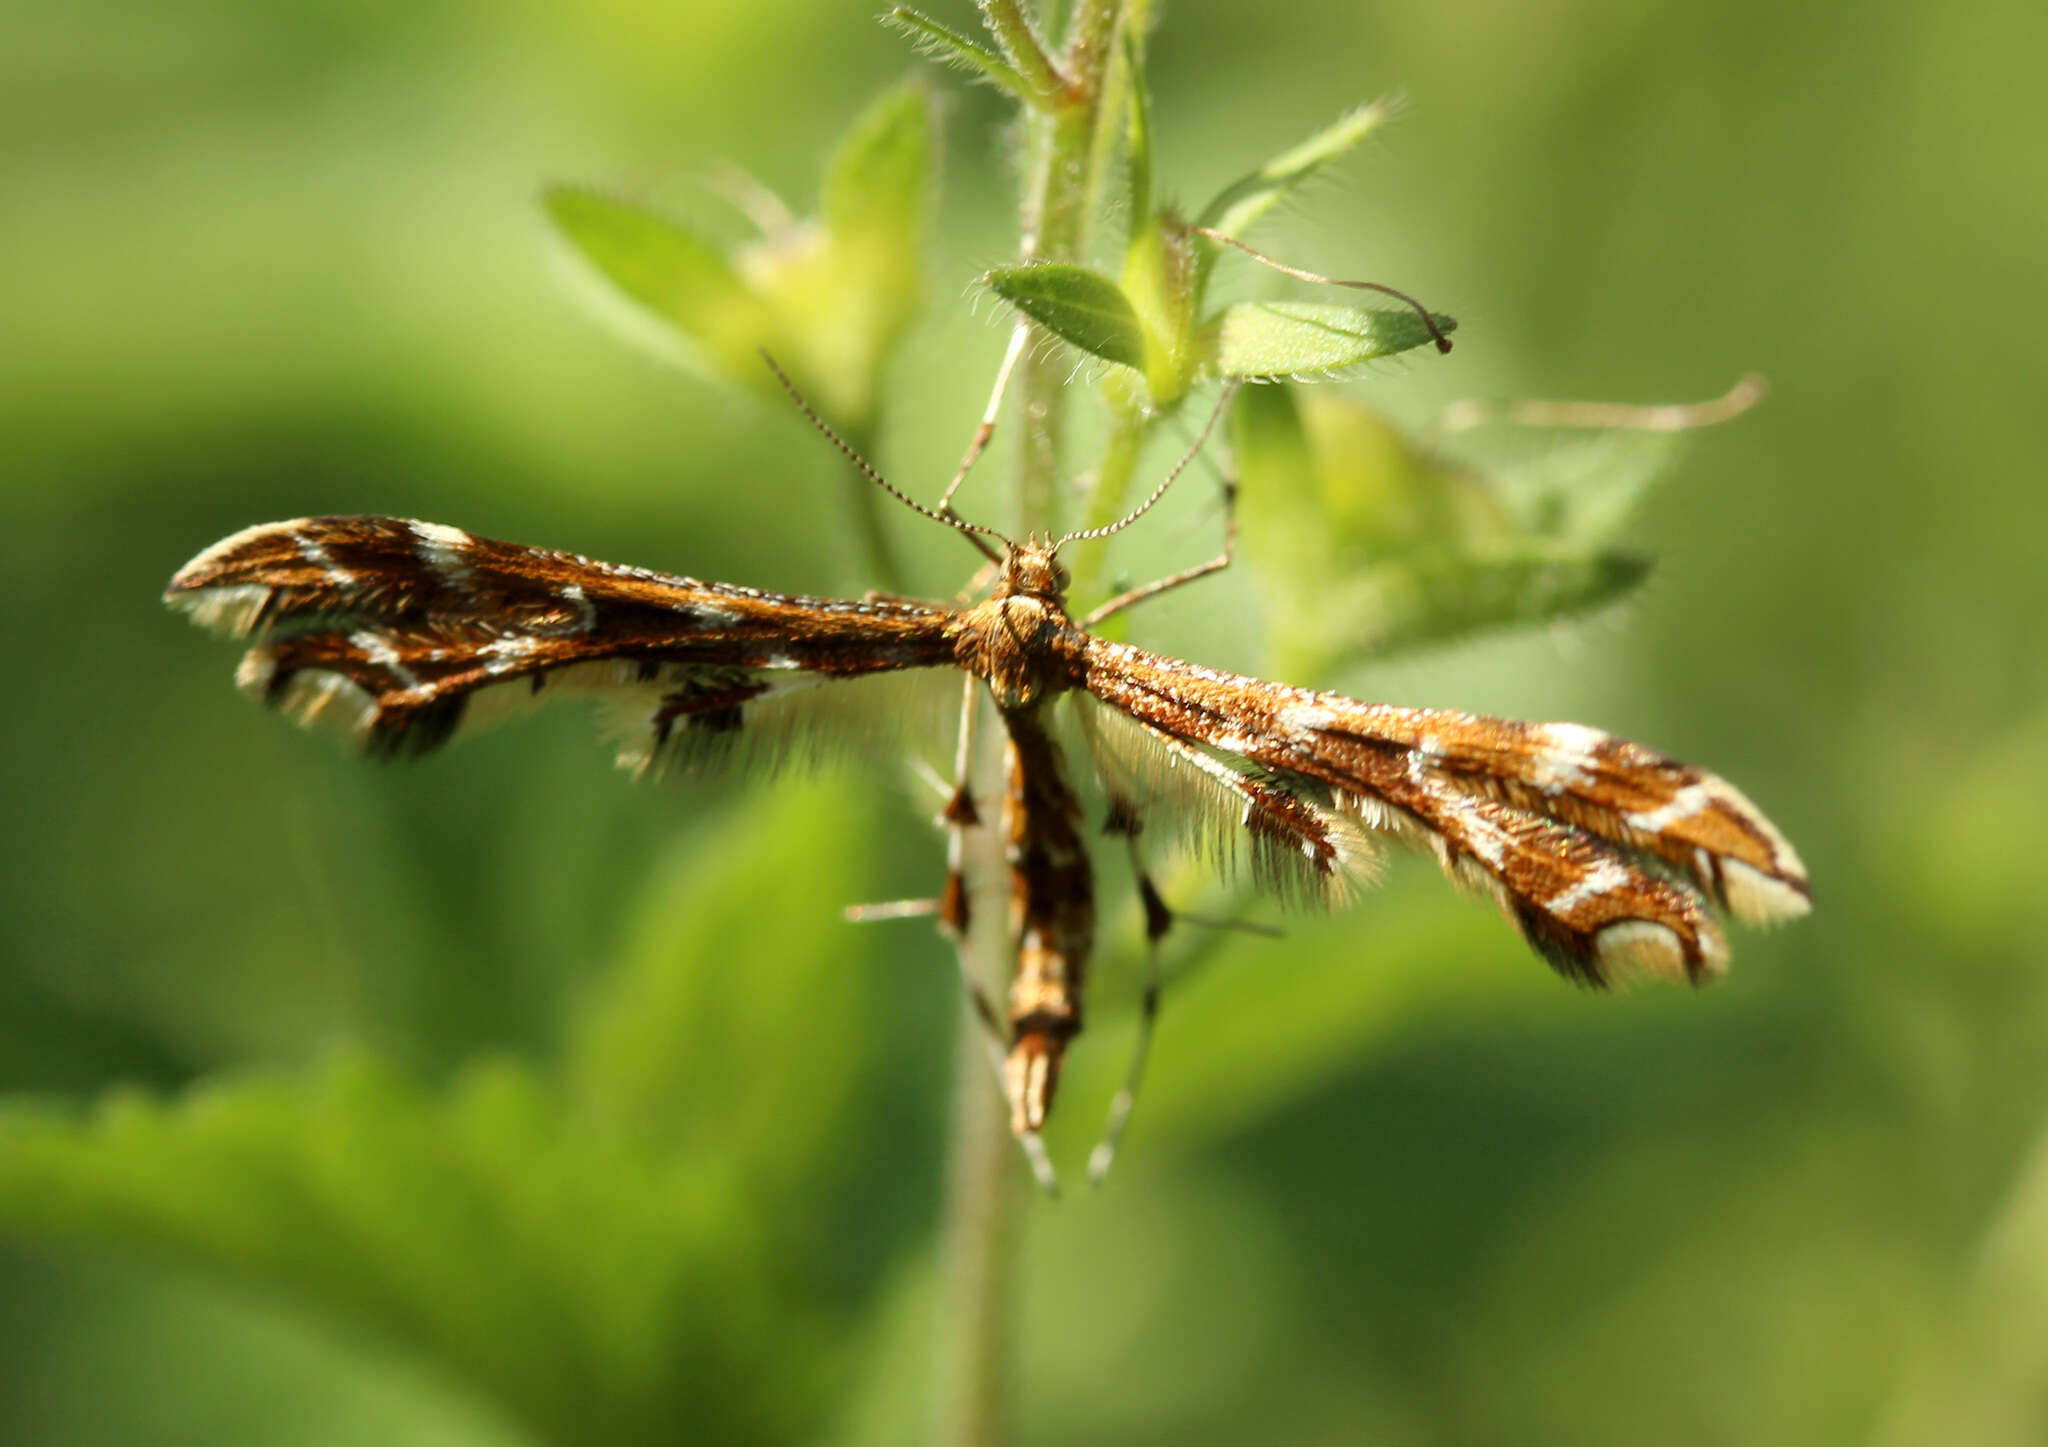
[1062, 150]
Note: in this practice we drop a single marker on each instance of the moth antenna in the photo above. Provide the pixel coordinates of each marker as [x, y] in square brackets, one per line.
[1222, 402]
[967, 529]
[1443, 343]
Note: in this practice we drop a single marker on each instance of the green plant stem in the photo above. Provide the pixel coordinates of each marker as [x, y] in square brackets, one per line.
[982, 1201]
[985, 1175]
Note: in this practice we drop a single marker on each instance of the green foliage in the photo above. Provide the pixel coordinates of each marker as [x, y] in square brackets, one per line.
[597, 1288]
[1267, 339]
[607, 1253]
[1239, 206]
[1369, 543]
[950, 47]
[655, 1229]
[829, 297]
[1081, 307]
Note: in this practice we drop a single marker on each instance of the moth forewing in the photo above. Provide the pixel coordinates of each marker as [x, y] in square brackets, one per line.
[1561, 825]
[405, 634]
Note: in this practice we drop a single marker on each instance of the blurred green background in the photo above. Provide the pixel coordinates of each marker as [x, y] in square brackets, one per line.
[1392, 1182]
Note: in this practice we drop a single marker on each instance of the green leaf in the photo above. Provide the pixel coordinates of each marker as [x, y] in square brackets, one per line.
[1014, 31]
[667, 274]
[1251, 196]
[1589, 488]
[949, 46]
[842, 293]
[1078, 305]
[878, 183]
[1440, 594]
[598, 1291]
[1139, 152]
[1371, 544]
[731, 1027]
[1295, 338]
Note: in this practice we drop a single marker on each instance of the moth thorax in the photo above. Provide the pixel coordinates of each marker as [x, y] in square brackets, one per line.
[1011, 646]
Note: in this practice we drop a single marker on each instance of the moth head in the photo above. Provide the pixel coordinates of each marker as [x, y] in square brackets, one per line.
[1032, 569]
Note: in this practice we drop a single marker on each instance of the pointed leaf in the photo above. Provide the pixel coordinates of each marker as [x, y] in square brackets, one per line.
[950, 47]
[841, 294]
[1139, 149]
[879, 180]
[1587, 489]
[1436, 595]
[1014, 31]
[1371, 544]
[667, 274]
[1293, 338]
[600, 1292]
[1079, 306]
[1251, 196]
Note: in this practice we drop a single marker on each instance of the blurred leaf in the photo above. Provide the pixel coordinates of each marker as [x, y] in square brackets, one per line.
[942, 43]
[1587, 488]
[669, 274]
[843, 291]
[1372, 544]
[603, 1293]
[1078, 305]
[1257, 1024]
[1438, 595]
[877, 187]
[732, 1025]
[829, 298]
[1295, 338]
[1330, 485]
[1240, 204]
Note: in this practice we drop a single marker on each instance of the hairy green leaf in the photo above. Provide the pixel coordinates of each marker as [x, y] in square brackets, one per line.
[1295, 338]
[1241, 203]
[1077, 305]
[1013, 30]
[949, 46]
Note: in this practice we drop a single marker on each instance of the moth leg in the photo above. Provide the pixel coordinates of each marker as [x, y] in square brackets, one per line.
[890, 909]
[1124, 820]
[1227, 481]
[979, 443]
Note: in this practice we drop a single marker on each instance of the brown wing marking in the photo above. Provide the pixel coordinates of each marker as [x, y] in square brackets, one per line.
[404, 632]
[1570, 830]
[1300, 847]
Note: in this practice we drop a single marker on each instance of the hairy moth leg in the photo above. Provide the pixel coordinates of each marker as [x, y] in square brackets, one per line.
[1124, 820]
